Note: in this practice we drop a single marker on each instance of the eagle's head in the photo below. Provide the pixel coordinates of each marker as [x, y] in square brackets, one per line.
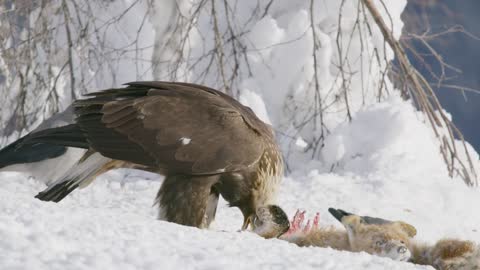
[270, 221]
[264, 183]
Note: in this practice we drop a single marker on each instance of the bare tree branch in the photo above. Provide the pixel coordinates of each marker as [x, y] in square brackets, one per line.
[429, 104]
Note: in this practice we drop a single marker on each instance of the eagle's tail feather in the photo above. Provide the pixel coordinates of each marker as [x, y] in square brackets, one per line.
[79, 176]
[57, 192]
[17, 153]
[69, 135]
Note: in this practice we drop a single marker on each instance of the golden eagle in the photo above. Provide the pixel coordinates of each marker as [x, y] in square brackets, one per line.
[205, 142]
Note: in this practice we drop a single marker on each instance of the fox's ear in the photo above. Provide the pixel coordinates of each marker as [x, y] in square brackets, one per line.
[409, 229]
[339, 214]
[351, 221]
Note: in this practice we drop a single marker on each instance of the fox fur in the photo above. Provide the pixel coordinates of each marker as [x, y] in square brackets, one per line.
[386, 240]
[392, 239]
[447, 254]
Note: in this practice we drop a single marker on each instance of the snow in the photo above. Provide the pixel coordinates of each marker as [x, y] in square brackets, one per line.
[301, 143]
[114, 226]
[255, 101]
[383, 169]
[385, 162]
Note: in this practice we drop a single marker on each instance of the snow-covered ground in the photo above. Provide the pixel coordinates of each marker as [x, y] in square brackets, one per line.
[385, 165]
[112, 227]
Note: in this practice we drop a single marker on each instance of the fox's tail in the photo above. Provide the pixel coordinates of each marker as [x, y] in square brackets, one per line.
[447, 254]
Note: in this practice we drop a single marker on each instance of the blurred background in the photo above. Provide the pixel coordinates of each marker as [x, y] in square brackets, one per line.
[458, 46]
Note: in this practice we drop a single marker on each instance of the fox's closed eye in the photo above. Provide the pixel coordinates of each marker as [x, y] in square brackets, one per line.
[381, 243]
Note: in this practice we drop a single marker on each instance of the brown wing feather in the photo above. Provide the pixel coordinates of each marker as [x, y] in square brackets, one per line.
[248, 115]
[178, 127]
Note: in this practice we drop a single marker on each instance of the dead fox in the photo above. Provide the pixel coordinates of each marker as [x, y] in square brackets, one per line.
[372, 235]
[392, 239]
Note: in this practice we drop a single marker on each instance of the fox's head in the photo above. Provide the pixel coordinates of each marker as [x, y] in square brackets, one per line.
[378, 236]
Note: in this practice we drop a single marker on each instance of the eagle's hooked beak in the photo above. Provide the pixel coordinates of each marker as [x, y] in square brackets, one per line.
[248, 220]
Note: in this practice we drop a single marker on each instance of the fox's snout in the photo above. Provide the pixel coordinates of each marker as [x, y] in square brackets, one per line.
[395, 250]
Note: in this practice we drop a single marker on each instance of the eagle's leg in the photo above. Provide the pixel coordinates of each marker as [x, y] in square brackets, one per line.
[188, 200]
[212, 204]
